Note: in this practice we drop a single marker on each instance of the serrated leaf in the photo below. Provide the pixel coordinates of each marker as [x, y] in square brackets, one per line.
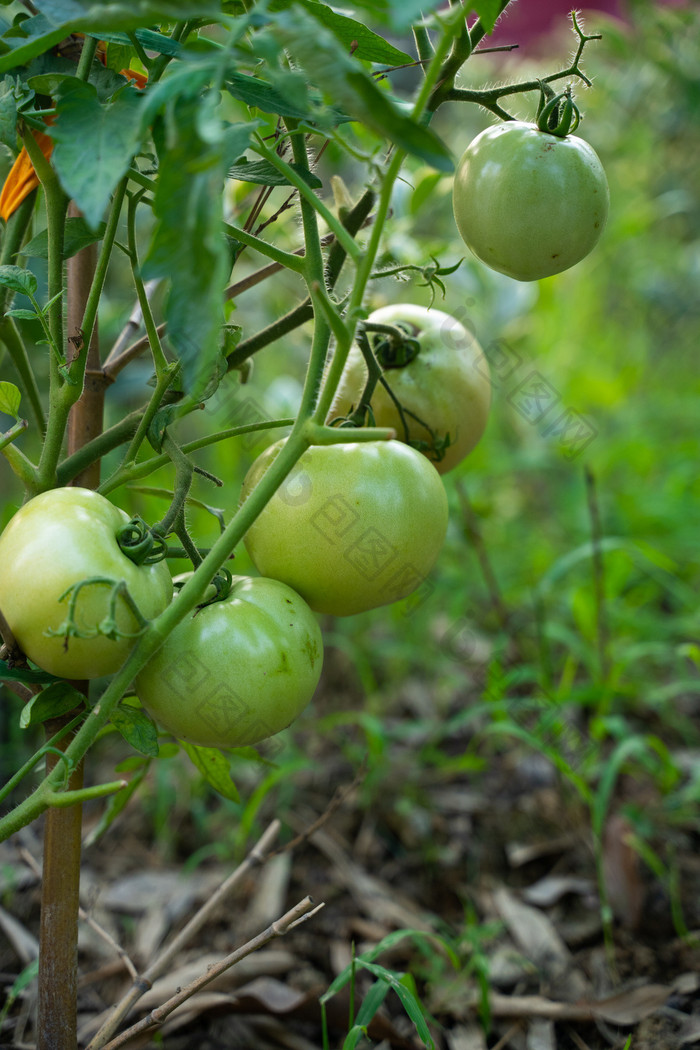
[94, 144]
[262, 173]
[341, 77]
[10, 399]
[56, 700]
[214, 767]
[137, 729]
[78, 235]
[353, 35]
[188, 246]
[18, 280]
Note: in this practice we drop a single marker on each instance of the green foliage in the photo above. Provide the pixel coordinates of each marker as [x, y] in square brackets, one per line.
[57, 699]
[78, 235]
[114, 132]
[214, 767]
[137, 729]
[401, 984]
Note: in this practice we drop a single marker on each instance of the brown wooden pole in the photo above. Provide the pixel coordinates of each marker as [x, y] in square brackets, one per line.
[58, 938]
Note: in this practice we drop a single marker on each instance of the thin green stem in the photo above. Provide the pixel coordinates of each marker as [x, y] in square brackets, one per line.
[61, 393]
[63, 799]
[23, 467]
[304, 311]
[15, 231]
[105, 442]
[305, 191]
[123, 471]
[13, 433]
[149, 466]
[182, 484]
[313, 273]
[180, 32]
[159, 359]
[143, 58]
[90, 316]
[29, 765]
[87, 56]
[9, 335]
[278, 255]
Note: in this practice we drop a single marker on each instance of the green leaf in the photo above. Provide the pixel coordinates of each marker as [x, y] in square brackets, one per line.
[372, 1001]
[18, 280]
[56, 700]
[215, 769]
[343, 78]
[259, 94]
[119, 53]
[378, 111]
[409, 999]
[22, 981]
[22, 315]
[353, 35]
[120, 50]
[10, 399]
[78, 235]
[25, 674]
[137, 729]
[94, 144]
[187, 245]
[397, 14]
[264, 174]
[8, 114]
[488, 12]
[59, 18]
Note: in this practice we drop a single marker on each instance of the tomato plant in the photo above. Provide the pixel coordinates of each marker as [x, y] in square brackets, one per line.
[238, 670]
[53, 543]
[354, 526]
[434, 390]
[153, 147]
[528, 202]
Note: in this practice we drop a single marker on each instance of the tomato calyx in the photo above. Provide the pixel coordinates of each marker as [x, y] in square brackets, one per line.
[141, 544]
[218, 590]
[394, 345]
[222, 584]
[107, 627]
[559, 115]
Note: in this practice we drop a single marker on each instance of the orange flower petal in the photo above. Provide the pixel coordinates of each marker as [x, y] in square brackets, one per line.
[140, 79]
[22, 178]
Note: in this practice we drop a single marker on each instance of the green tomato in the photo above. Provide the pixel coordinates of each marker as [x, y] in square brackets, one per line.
[54, 541]
[353, 526]
[237, 671]
[527, 202]
[445, 388]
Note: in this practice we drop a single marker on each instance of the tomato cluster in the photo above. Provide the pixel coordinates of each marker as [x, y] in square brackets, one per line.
[355, 525]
